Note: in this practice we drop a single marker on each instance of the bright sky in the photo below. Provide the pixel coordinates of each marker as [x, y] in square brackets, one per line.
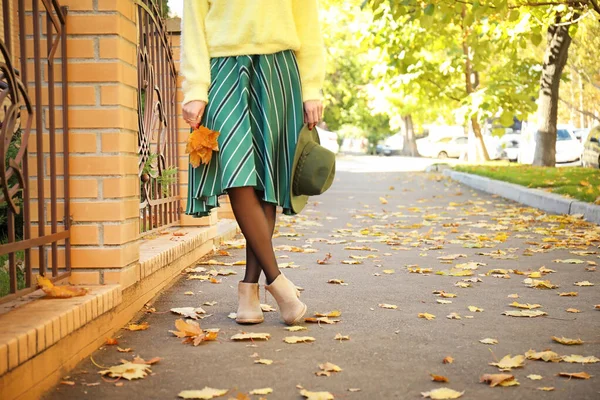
[176, 7]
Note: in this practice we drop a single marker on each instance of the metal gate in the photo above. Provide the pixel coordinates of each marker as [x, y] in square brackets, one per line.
[34, 180]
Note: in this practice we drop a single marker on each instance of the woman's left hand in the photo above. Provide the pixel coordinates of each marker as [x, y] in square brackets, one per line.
[313, 112]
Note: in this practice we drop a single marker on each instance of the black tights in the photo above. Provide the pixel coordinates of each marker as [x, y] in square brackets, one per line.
[257, 222]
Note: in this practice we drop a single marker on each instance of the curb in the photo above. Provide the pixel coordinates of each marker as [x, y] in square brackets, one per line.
[549, 202]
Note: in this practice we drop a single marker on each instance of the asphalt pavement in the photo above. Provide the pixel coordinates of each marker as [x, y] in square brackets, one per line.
[392, 218]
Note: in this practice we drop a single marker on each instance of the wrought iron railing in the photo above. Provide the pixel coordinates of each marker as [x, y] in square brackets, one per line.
[32, 235]
[157, 120]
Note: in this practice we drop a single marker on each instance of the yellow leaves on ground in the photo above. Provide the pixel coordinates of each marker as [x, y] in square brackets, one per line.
[59, 292]
[127, 370]
[548, 356]
[488, 341]
[267, 308]
[584, 283]
[537, 284]
[545, 388]
[316, 395]
[327, 369]
[296, 328]
[331, 314]
[442, 394]
[499, 380]
[351, 262]
[263, 361]
[573, 310]
[263, 391]
[507, 363]
[453, 315]
[470, 265]
[526, 306]
[200, 145]
[192, 333]
[427, 316]
[205, 394]
[448, 360]
[189, 312]
[451, 257]
[337, 282]
[325, 260]
[418, 270]
[138, 327]
[442, 301]
[534, 377]
[569, 261]
[475, 309]
[111, 342]
[578, 375]
[383, 200]
[298, 339]
[251, 336]
[524, 313]
[573, 358]
[441, 293]
[568, 294]
[388, 271]
[388, 306]
[341, 337]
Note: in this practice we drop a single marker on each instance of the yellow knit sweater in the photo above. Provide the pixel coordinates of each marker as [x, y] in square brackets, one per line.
[219, 28]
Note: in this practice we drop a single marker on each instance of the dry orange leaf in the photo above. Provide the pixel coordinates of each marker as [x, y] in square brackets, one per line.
[192, 333]
[499, 379]
[111, 342]
[325, 260]
[59, 292]
[438, 378]
[578, 375]
[201, 144]
[448, 360]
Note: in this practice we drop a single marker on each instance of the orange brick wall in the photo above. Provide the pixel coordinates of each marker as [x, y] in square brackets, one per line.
[102, 72]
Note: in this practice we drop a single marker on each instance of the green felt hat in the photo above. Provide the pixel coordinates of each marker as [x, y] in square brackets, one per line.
[313, 169]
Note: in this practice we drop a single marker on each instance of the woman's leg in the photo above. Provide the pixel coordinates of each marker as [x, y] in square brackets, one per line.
[253, 268]
[255, 226]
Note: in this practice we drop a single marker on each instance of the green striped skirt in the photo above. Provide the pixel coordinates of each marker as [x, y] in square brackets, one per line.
[255, 102]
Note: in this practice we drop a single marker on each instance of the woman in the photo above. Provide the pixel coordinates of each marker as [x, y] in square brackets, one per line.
[253, 71]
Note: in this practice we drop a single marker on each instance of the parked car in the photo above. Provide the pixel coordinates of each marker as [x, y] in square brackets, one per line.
[591, 149]
[446, 147]
[509, 144]
[568, 148]
[329, 140]
[581, 134]
[393, 145]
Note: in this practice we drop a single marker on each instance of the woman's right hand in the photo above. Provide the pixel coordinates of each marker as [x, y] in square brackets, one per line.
[193, 111]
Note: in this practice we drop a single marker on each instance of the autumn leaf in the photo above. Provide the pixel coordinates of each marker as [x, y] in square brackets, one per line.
[267, 308]
[568, 294]
[316, 395]
[341, 337]
[526, 306]
[573, 358]
[427, 316]
[442, 301]
[351, 262]
[548, 356]
[499, 379]
[121, 350]
[296, 328]
[417, 270]
[534, 377]
[127, 370]
[442, 394]
[298, 339]
[325, 260]
[578, 375]
[383, 200]
[573, 310]
[545, 388]
[438, 378]
[451, 257]
[475, 309]
[337, 282]
[537, 284]
[524, 313]
[488, 341]
[329, 367]
[192, 333]
[567, 341]
[263, 361]
[569, 261]
[388, 306]
[508, 362]
[59, 292]
[263, 391]
[111, 342]
[251, 336]
[584, 283]
[331, 314]
[138, 327]
[189, 312]
[205, 394]
[318, 320]
[201, 144]
[448, 360]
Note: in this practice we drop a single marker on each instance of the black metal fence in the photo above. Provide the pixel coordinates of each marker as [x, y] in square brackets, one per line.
[34, 192]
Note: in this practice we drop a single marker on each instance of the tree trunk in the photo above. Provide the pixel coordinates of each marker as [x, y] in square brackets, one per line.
[555, 59]
[582, 118]
[479, 153]
[410, 144]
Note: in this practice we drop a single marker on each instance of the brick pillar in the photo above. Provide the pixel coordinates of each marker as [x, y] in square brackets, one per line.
[102, 73]
[174, 30]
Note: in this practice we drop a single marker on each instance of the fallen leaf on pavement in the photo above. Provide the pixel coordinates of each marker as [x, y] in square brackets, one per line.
[524, 313]
[127, 370]
[442, 301]
[452, 257]
[139, 360]
[331, 314]
[121, 350]
[189, 293]
[325, 260]
[508, 362]
[329, 367]
[534, 377]
[488, 341]
[189, 312]
[388, 306]
[448, 360]
[267, 308]
[204, 394]
[210, 303]
[324, 320]
[578, 375]
[442, 394]
[192, 333]
[513, 296]
[537, 284]
[354, 390]
[499, 379]
[573, 310]
[573, 358]
[548, 356]
[337, 282]
[316, 395]
[296, 328]
[546, 388]
[263, 361]
[570, 294]
[263, 391]
[298, 339]
[341, 337]
[475, 309]
[111, 342]
[138, 327]
[251, 336]
[68, 383]
[526, 306]
[351, 262]
[438, 378]
[569, 261]
[427, 316]
[584, 283]
[452, 315]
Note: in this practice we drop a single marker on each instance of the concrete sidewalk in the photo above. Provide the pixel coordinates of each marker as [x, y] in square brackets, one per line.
[391, 352]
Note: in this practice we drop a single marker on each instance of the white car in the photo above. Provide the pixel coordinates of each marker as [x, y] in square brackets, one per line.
[568, 147]
[393, 145]
[445, 147]
[329, 140]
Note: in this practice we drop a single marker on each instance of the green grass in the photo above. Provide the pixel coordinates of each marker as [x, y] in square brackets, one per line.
[575, 182]
[4, 277]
